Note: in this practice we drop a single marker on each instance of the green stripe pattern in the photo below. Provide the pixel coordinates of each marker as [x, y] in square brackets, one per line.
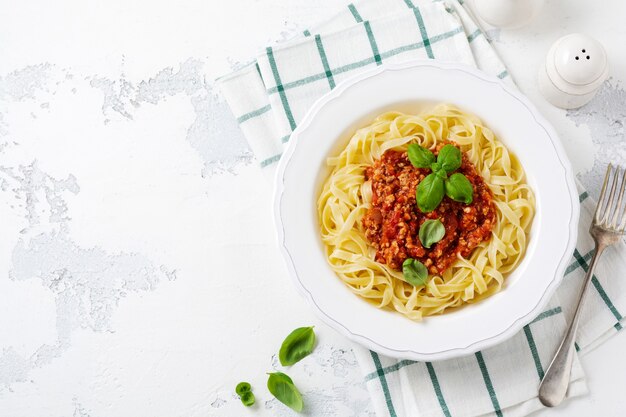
[280, 88]
[373, 44]
[422, 27]
[600, 290]
[533, 351]
[419, 45]
[437, 388]
[328, 72]
[608, 302]
[583, 196]
[254, 113]
[546, 314]
[270, 160]
[355, 13]
[383, 384]
[576, 264]
[366, 61]
[403, 363]
[531, 340]
[474, 35]
[389, 369]
[488, 384]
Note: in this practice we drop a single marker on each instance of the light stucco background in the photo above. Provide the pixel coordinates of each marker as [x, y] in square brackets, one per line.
[126, 187]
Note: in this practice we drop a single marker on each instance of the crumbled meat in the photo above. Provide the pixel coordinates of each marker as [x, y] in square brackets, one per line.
[392, 223]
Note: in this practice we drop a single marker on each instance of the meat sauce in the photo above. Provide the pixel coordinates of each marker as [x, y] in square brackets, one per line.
[393, 221]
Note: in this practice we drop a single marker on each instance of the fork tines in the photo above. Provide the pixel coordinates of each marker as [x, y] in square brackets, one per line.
[611, 211]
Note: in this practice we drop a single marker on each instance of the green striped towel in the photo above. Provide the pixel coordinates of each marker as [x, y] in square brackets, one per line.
[270, 96]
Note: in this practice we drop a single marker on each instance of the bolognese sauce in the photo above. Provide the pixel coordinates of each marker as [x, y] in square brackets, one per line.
[392, 223]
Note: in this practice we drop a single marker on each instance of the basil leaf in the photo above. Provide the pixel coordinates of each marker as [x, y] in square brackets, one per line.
[430, 193]
[449, 158]
[459, 188]
[242, 388]
[419, 156]
[435, 167]
[441, 174]
[296, 346]
[431, 231]
[415, 273]
[247, 398]
[282, 387]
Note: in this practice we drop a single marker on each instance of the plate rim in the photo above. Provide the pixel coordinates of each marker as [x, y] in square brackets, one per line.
[516, 324]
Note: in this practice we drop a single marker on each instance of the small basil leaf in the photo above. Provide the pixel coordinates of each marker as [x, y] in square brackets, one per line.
[459, 188]
[449, 157]
[247, 398]
[296, 346]
[415, 273]
[242, 387]
[419, 156]
[429, 193]
[442, 174]
[282, 387]
[435, 167]
[431, 231]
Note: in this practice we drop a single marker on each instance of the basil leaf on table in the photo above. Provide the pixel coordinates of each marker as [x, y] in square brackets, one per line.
[431, 231]
[282, 387]
[449, 158]
[429, 193]
[419, 156]
[296, 345]
[459, 188]
[247, 398]
[415, 273]
[242, 387]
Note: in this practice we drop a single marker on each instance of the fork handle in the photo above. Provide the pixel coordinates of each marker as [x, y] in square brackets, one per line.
[553, 387]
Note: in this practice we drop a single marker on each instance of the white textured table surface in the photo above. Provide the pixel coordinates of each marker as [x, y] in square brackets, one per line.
[125, 183]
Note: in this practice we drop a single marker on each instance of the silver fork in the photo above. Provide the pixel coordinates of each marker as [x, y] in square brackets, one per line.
[607, 227]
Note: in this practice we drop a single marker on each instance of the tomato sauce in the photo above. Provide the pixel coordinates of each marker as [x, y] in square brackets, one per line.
[392, 223]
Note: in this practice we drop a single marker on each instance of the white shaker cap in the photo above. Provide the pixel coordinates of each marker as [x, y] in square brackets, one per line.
[575, 67]
[507, 13]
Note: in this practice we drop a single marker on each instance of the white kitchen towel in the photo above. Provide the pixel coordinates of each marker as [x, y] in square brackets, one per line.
[270, 96]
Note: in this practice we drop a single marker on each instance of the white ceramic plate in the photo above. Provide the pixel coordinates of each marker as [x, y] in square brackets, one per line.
[412, 87]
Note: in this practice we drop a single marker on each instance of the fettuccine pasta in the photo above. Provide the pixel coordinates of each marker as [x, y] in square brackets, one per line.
[346, 196]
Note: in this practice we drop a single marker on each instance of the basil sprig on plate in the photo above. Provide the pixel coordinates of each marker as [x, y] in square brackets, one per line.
[283, 388]
[244, 390]
[296, 346]
[420, 156]
[415, 273]
[431, 232]
[449, 158]
[430, 192]
[431, 189]
[459, 188]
